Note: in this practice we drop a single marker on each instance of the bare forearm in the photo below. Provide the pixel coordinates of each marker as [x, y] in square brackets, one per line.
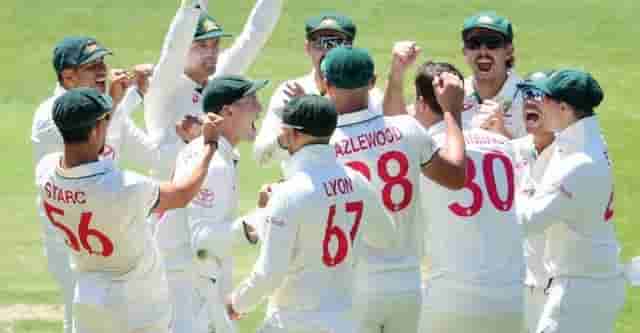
[393, 103]
[455, 152]
[179, 194]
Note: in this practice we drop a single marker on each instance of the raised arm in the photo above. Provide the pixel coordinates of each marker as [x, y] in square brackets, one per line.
[179, 193]
[257, 30]
[447, 167]
[170, 67]
[404, 54]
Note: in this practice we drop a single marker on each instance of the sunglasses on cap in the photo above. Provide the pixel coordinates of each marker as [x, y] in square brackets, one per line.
[534, 95]
[491, 42]
[106, 116]
[328, 43]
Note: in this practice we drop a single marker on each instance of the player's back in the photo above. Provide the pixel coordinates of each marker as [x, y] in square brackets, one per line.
[329, 204]
[100, 211]
[474, 239]
[389, 152]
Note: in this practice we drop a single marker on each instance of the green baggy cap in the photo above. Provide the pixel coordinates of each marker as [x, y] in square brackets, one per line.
[330, 21]
[490, 21]
[208, 28]
[227, 89]
[76, 51]
[572, 86]
[80, 108]
[348, 68]
[311, 114]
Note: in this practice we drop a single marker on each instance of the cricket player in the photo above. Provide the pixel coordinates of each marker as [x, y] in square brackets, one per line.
[313, 222]
[474, 238]
[392, 153]
[191, 56]
[323, 33]
[202, 235]
[531, 156]
[80, 62]
[573, 207]
[100, 211]
[492, 89]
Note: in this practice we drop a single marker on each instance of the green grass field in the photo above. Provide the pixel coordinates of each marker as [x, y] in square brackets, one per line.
[592, 34]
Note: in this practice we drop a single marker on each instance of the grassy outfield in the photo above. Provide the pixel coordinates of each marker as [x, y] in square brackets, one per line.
[592, 34]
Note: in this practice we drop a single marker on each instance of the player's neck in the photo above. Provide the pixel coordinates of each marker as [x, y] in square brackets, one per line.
[350, 105]
[542, 141]
[489, 88]
[78, 154]
[199, 78]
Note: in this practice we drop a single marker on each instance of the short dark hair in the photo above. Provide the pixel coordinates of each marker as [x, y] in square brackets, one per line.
[76, 135]
[511, 62]
[424, 81]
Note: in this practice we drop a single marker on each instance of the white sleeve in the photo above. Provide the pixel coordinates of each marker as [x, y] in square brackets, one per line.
[140, 193]
[554, 201]
[168, 71]
[266, 148]
[276, 252]
[423, 142]
[137, 147]
[262, 20]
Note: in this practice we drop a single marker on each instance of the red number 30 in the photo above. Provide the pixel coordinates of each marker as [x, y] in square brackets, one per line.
[490, 183]
[83, 231]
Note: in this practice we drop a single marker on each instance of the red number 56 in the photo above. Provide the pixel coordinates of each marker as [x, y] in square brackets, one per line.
[83, 231]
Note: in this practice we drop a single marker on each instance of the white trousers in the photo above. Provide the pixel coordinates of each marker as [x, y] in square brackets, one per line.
[388, 313]
[582, 305]
[309, 322]
[534, 300]
[439, 322]
[59, 266]
[187, 316]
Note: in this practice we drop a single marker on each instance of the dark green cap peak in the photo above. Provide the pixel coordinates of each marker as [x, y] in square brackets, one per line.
[75, 51]
[572, 86]
[208, 28]
[227, 89]
[489, 21]
[311, 114]
[348, 68]
[80, 108]
[330, 21]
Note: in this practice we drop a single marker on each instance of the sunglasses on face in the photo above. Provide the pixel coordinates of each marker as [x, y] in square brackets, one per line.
[328, 43]
[490, 42]
[533, 95]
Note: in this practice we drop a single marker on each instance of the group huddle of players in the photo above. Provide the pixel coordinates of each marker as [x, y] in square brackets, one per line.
[501, 188]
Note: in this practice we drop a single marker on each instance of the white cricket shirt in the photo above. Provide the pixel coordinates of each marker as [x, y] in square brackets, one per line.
[530, 167]
[312, 228]
[508, 94]
[390, 152]
[474, 238]
[573, 206]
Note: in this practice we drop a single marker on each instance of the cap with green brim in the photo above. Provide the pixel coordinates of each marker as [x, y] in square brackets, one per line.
[311, 114]
[80, 108]
[348, 68]
[208, 28]
[330, 21]
[75, 51]
[226, 90]
[574, 87]
[490, 21]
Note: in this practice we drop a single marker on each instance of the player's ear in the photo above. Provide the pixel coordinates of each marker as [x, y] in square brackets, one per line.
[68, 78]
[372, 82]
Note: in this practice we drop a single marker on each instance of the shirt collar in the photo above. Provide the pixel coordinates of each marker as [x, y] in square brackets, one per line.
[86, 170]
[507, 91]
[348, 119]
[59, 90]
[579, 136]
[226, 150]
[308, 155]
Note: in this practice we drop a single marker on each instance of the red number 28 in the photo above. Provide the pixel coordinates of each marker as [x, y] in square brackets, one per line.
[83, 231]
[390, 181]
